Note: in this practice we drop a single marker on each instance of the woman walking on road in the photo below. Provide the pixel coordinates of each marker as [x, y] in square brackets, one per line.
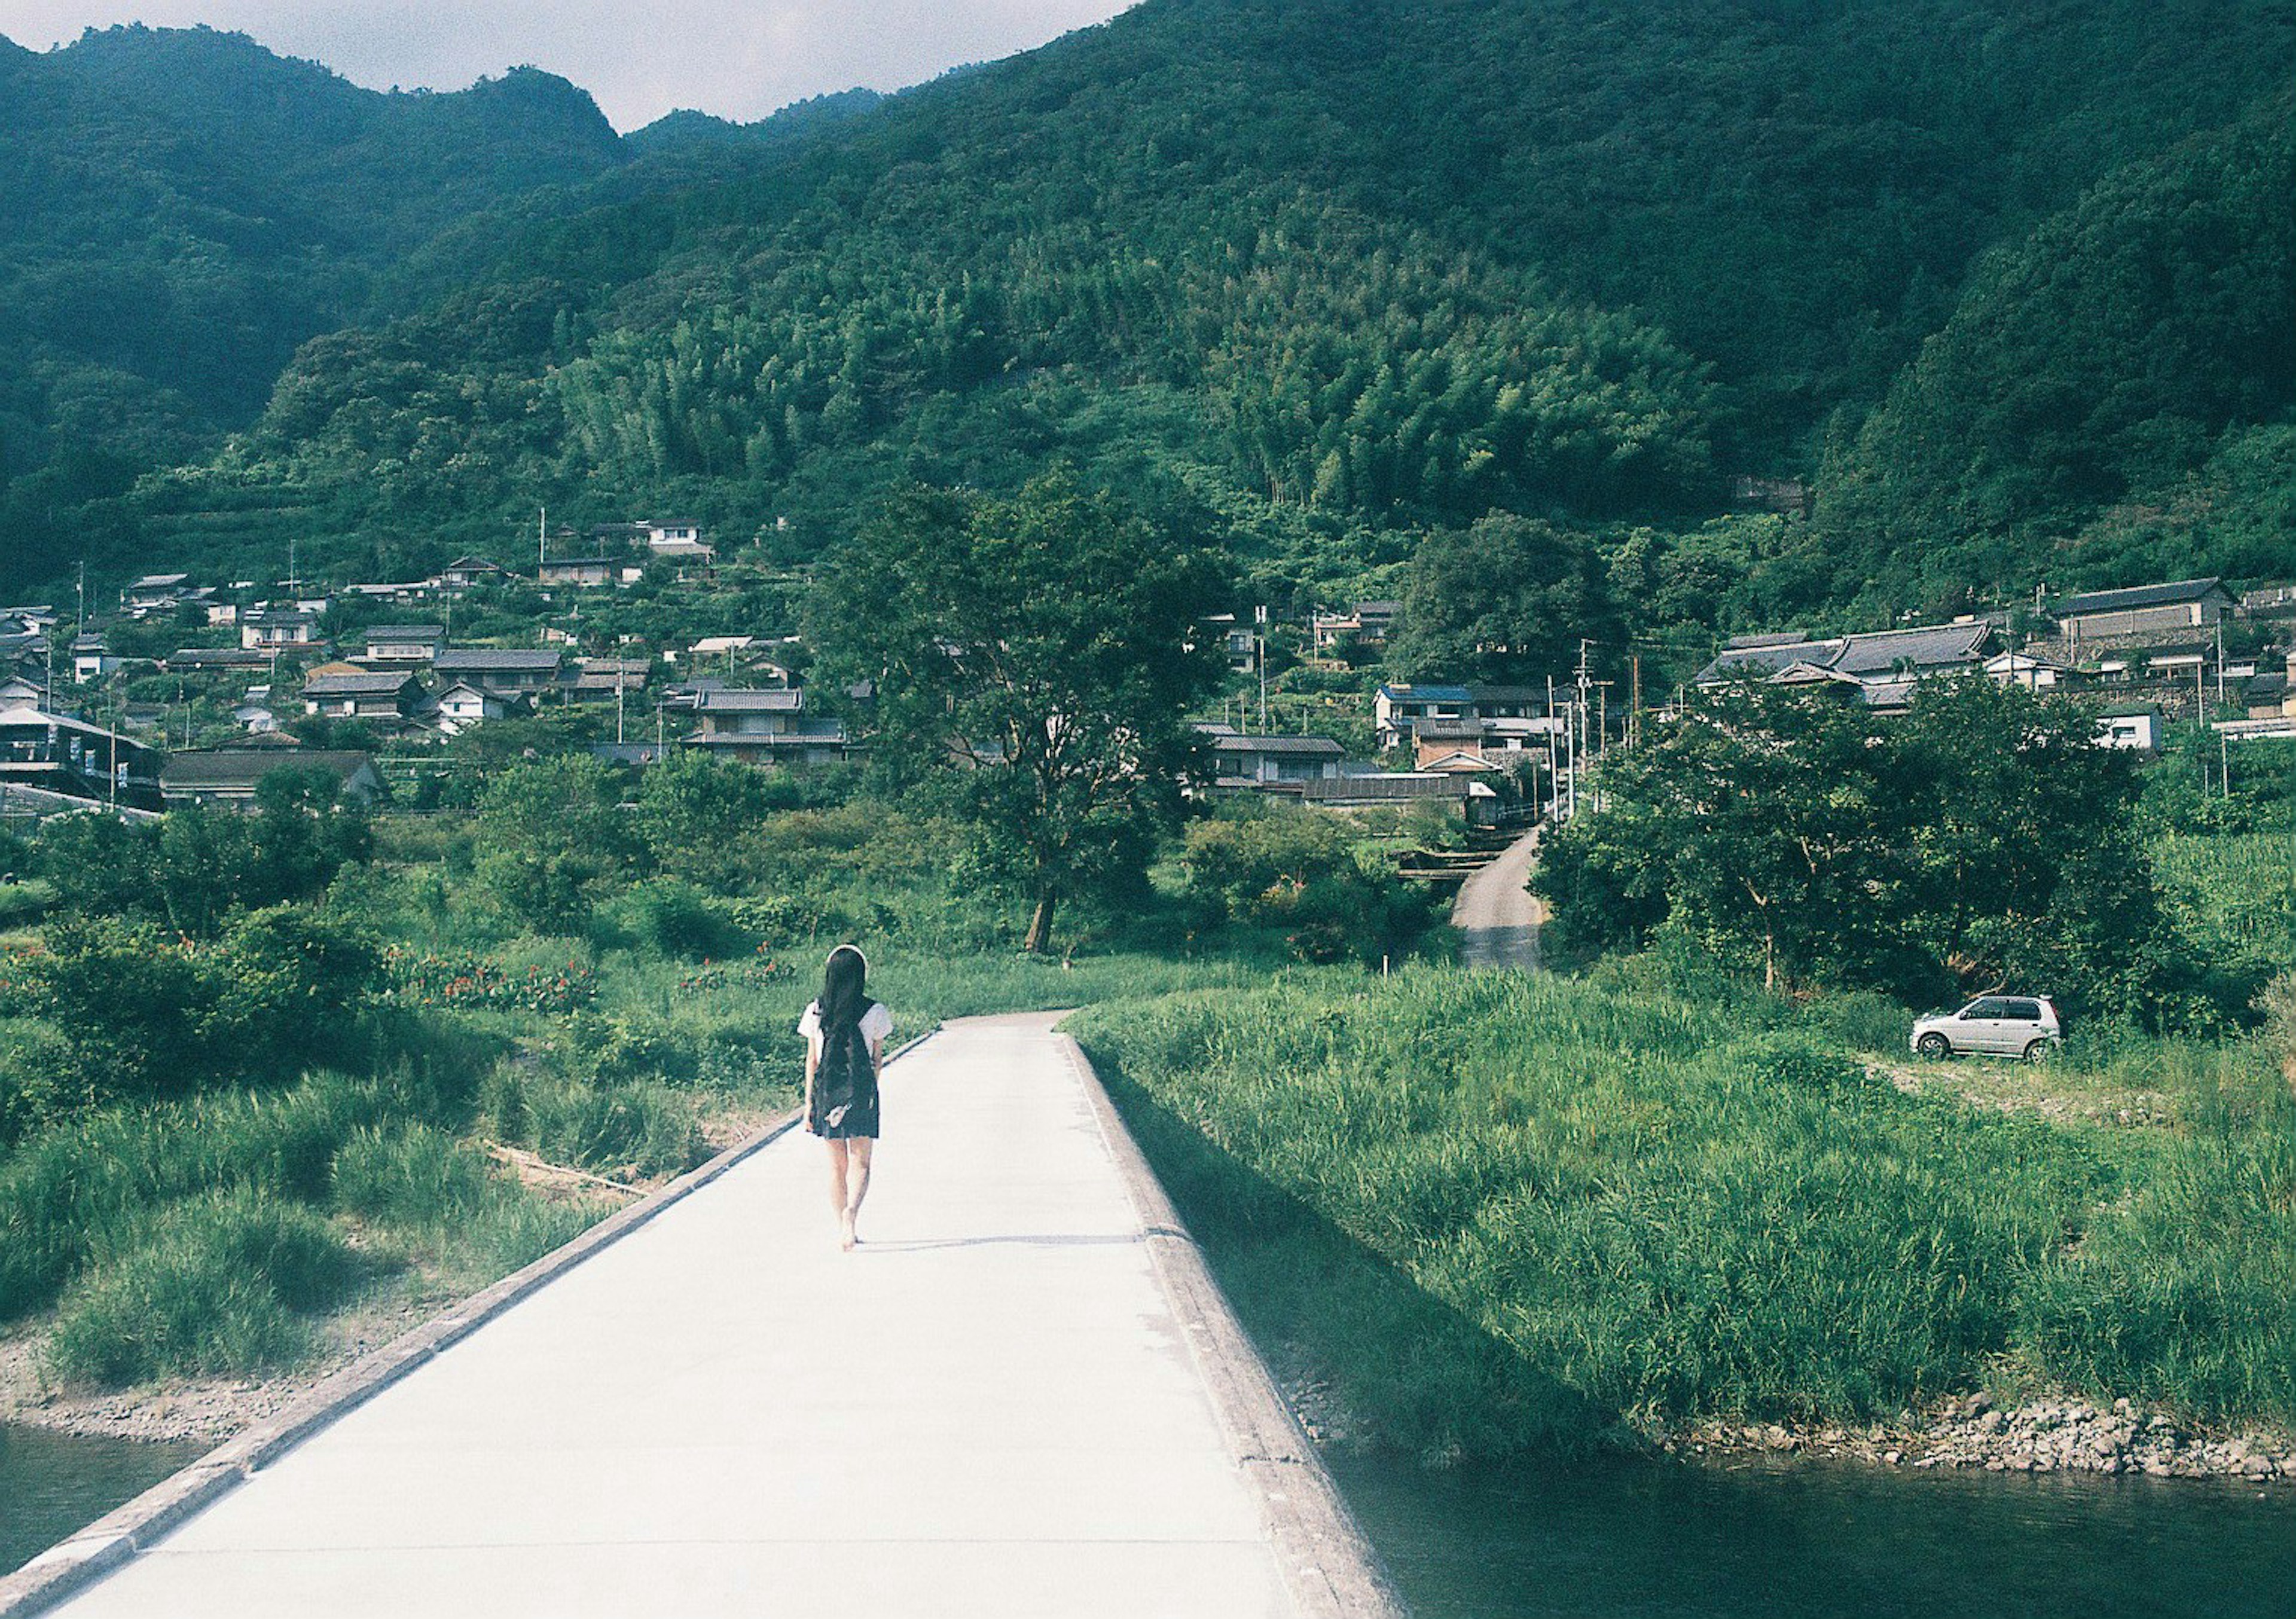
[845, 1049]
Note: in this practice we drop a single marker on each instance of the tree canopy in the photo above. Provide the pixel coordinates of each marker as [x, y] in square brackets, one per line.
[1034, 658]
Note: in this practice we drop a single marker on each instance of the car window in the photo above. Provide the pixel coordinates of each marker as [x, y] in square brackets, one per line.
[1983, 1008]
[2024, 1011]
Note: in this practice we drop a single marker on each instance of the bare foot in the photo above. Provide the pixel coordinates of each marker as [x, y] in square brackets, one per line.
[846, 1238]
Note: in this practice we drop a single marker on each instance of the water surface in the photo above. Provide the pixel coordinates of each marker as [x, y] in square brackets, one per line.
[52, 1484]
[1816, 1540]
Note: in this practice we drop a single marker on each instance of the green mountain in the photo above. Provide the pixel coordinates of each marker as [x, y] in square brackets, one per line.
[1336, 272]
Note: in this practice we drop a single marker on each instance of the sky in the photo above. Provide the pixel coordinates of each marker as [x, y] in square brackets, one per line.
[739, 59]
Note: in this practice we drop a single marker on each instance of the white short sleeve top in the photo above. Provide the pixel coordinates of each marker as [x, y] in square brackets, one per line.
[876, 1023]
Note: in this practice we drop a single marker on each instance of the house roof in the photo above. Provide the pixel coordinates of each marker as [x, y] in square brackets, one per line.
[383, 683]
[1507, 694]
[2139, 595]
[499, 659]
[227, 767]
[1925, 647]
[158, 581]
[1922, 647]
[773, 701]
[406, 632]
[470, 564]
[1399, 787]
[1407, 692]
[1295, 747]
[218, 658]
[804, 733]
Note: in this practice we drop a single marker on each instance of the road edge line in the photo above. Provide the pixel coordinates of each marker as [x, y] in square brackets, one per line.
[1329, 1566]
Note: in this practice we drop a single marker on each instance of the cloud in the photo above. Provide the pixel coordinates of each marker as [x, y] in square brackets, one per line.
[739, 59]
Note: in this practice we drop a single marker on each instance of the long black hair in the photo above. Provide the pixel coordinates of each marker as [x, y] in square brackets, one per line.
[842, 982]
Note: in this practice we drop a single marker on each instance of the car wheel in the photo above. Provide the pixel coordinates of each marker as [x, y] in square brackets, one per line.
[2036, 1050]
[1934, 1045]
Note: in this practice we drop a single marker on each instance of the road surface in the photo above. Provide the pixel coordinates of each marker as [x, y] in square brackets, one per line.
[1496, 916]
[1002, 1403]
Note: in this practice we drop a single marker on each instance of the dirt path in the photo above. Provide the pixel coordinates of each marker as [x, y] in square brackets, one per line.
[1495, 915]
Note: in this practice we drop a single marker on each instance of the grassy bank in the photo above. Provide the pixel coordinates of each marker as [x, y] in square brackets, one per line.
[1505, 1212]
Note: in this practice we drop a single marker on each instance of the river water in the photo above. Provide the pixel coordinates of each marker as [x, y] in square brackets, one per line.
[1817, 1540]
[52, 1484]
[1656, 1539]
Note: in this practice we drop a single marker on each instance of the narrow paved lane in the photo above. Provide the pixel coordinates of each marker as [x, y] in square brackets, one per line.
[1496, 916]
[991, 1407]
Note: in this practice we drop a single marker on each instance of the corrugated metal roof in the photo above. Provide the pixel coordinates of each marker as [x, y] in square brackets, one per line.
[1321, 747]
[2137, 596]
[484, 658]
[750, 702]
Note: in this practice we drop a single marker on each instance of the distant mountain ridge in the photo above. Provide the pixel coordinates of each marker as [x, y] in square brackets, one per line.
[1336, 269]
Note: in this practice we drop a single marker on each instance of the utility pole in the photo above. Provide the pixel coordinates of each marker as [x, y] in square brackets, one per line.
[2219, 660]
[1261, 639]
[542, 537]
[1635, 704]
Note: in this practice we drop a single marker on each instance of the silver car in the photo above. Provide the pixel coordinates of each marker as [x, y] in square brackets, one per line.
[2009, 1025]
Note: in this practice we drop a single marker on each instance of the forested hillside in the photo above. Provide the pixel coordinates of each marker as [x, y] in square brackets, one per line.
[1337, 274]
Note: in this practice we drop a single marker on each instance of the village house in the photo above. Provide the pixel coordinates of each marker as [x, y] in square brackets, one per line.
[405, 643]
[1367, 623]
[1268, 761]
[19, 637]
[156, 594]
[505, 672]
[228, 776]
[2132, 726]
[92, 658]
[60, 754]
[586, 572]
[2271, 694]
[2033, 671]
[2186, 604]
[273, 629]
[602, 679]
[465, 704]
[765, 728]
[1506, 719]
[215, 661]
[463, 573]
[1475, 801]
[342, 691]
[1880, 668]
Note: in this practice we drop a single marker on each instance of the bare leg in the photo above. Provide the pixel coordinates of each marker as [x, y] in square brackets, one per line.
[837, 1196]
[857, 1182]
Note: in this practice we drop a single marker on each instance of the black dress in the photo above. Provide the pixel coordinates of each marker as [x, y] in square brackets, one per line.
[844, 1084]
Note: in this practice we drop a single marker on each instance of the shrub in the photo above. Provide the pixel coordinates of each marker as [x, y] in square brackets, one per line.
[670, 917]
[218, 1287]
[415, 1178]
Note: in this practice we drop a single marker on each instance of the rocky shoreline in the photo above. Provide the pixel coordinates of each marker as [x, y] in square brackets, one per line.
[2059, 1435]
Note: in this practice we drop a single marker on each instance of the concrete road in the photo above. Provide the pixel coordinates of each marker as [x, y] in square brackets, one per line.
[1496, 916]
[988, 1407]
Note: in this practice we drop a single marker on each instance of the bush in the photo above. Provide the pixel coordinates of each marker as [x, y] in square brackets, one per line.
[36, 1078]
[219, 1286]
[415, 1178]
[642, 1129]
[668, 916]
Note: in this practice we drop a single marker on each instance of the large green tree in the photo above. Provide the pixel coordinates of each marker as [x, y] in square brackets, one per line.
[1035, 660]
[1508, 599]
[1982, 837]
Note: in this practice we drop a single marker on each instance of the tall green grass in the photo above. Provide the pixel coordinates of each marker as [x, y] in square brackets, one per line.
[223, 1282]
[1517, 1211]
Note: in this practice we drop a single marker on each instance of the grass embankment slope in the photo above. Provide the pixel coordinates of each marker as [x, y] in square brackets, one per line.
[1503, 1211]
